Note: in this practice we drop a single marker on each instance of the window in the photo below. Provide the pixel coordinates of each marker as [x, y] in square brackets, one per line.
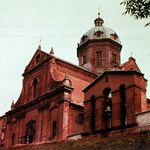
[99, 59]
[13, 139]
[30, 132]
[2, 136]
[79, 119]
[54, 129]
[107, 106]
[84, 59]
[38, 57]
[93, 113]
[98, 33]
[123, 104]
[35, 85]
[84, 38]
[114, 57]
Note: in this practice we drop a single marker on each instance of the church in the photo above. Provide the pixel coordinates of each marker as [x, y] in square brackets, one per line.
[61, 101]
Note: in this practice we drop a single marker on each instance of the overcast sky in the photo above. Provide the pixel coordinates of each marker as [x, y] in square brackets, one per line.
[60, 24]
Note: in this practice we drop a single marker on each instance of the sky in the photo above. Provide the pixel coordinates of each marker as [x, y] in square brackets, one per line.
[60, 24]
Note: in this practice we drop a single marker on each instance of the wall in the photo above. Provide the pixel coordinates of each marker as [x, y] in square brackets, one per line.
[143, 120]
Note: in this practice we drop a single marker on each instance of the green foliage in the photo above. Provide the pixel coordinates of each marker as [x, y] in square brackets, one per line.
[139, 9]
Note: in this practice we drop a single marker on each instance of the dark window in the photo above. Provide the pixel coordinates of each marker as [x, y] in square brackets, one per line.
[93, 113]
[98, 33]
[84, 38]
[114, 57]
[106, 79]
[38, 57]
[123, 104]
[99, 59]
[84, 61]
[54, 129]
[30, 132]
[35, 85]
[13, 139]
[80, 118]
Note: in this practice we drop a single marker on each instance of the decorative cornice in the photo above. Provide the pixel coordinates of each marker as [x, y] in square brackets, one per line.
[44, 96]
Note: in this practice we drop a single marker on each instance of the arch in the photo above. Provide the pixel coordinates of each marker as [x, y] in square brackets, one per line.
[106, 92]
[30, 132]
[54, 121]
[122, 89]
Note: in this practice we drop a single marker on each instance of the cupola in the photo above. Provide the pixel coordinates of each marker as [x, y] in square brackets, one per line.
[99, 48]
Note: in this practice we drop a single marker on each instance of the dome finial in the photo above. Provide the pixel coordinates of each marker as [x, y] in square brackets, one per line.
[98, 12]
[98, 21]
[39, 47]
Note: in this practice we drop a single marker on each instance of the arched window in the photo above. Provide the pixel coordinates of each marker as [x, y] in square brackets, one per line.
[13, 139]
[54, 128]
[37, 59]
[123, 104]
[30, 132]
[92, 113]
[35, 85]
[107, 106]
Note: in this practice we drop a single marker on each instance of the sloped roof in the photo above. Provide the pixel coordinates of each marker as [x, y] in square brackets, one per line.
[112, 72]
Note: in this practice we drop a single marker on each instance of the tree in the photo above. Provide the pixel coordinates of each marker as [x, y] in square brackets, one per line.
[139, 9]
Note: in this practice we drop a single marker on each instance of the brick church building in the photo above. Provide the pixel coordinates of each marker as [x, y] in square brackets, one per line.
[60, 100]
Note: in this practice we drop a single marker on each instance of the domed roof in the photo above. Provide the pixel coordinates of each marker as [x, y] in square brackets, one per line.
[100, 32]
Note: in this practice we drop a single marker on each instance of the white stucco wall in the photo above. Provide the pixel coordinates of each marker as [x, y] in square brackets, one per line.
[143, 120]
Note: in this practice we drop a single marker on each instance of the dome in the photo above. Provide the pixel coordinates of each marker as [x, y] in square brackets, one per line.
[99, 31]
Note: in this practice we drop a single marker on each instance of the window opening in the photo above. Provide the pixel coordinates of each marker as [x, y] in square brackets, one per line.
[54, 129]
[35, 85]
[84, 59]
[114, 57]
[98, 58]
[107, 106]
[13, 139]
[123, 105]
[38, 57]
[93, 113]
[30, 132]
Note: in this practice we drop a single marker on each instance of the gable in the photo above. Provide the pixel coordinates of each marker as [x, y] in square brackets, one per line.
[130, 65]
[113, 79]
[39, 57]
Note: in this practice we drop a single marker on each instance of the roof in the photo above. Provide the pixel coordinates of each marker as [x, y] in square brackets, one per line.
[111, 72]
[99, 31]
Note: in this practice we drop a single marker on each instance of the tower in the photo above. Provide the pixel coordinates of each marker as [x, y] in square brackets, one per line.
[99, 48]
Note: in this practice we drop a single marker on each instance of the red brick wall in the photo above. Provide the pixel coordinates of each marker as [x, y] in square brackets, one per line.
[75, 124]
[107, 49]
[135, 99]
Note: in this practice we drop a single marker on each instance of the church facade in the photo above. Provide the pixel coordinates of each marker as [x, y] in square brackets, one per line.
[60, 100]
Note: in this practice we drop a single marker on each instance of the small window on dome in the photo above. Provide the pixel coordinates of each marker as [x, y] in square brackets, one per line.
[98, 33]
[84, 38]
[114, 36]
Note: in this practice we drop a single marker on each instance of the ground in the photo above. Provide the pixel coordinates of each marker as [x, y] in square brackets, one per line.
[139, 141]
